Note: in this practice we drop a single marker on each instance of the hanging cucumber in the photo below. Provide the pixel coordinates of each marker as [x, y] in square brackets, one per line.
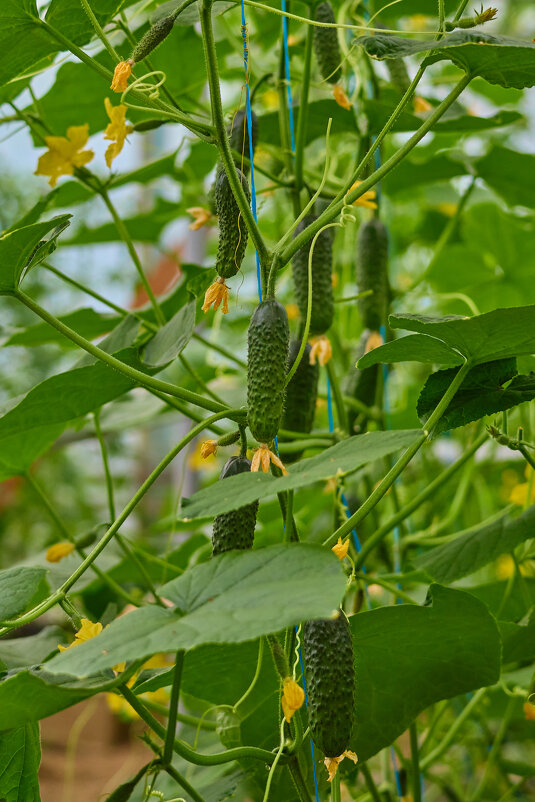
[322, 312]
[361, 385]
[326, 45]
[268, 339]
[372, 273]
[232, 229]
[238, 135]
[330, 680]
[234, 529]
[301, 394]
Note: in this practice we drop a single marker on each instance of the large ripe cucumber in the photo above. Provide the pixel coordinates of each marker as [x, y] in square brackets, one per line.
[232, 229]
[234, 529]
[326, 45]
[372, 273]
[322, 312]
[330, 679]
[267, 359]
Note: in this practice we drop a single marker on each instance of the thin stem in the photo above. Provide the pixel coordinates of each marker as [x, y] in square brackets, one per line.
[303, 110]
[173, 707]
[415, 760]
[198, 379]
[205, 11]
[441, 22]
[112, 530]
[98, 30]
[338, 398]
[220, 349]
[274, 764]
[251, 687]
[397, 469]
[126, 238]
[372, 788]
[496, 745]
[450, 736]
[183, 783]
[335, 788]
[378, 580]
[460, 10]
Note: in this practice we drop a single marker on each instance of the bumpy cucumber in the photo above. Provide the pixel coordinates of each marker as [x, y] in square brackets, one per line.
[330, 678]
[232, 228]
[398, 73]
[154, 37]
[238, 134]
[372, 273]
[267, 358]
[326, 45]
[361, 385]
[234, 529]
[301, 394]
[322, 312]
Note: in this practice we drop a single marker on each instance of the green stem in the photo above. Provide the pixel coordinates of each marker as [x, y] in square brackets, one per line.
[438, 712]
[378, 580]
[183, 783]
[348, 197]
[415, 760]
[38, 490]
[335, 788]
[251, 687]
[205, 11]
[397, 469]
[98, 30]
[126, 238]
[220, 349]
[173, 707]
[496, 745]
[136, 375]
[449, 229]
[299, 781]
[460, 10]
[54, 598]
[303, 110]
[441, 22]
[198, 379]
[368, 779]
[527, 456]
[338, 399]
[274, 764]
[450, 736]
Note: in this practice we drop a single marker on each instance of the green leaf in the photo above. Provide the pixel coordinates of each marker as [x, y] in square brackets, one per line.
[510, 174]
[497, 59]
[87, 322]
[518, 641]
[20, 756]
[124, 791]
[20, 588]
[414, 172]
[414, 348]
[69, 17]
[347, 455]
[407, 657]
[144, 227]
[190, 15]
[172, 338]
[480, 394]
[483, 338]
[22, 41]
[233, 598]
[477, 547]
[22, 248]
[21, 652]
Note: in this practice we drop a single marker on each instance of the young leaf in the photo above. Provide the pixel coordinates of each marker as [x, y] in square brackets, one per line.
[87, 322]
[22, 248]
[19, 588]
[172, 338]
[414, 348]
[20, 756]
[510, 174]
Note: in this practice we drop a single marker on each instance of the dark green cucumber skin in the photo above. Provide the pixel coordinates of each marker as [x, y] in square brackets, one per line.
[232, 229]
[154, 37]
[372, 273]
[301, 394]
[322, 312]
[267, 358]
[326, 45]
[234, 529]
[330, 679]
[399, 76]
[361, 385]
[238, 132]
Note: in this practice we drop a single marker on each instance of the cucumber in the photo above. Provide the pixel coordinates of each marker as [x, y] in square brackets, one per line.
[398, 74]
[238, 135]
[361, 385]
[154, 37]
[268, 339]
[330, 679]
[322, 312]
[301, 394]
[372, 273]
[326, 45]
[232, 229]
[234, 529]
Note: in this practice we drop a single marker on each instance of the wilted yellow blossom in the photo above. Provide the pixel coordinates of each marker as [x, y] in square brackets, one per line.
[332, 763]
[341, 548]
[320, 350]
[58, 551]
[200, 215]
[293, 697]
[341, 97]
[262, 457]
[208, 448]
[121, 74]
[216, 294]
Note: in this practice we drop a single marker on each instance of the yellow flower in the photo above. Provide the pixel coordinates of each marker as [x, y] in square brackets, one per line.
[120, 706]
[529, 711]
[121, 74]
[367, 200]
[293, 697]
[341, 548]
[341, 97]
[64, 153]
[270, 99]
[208, 448]
[200, 215]
[216, 294]
[292, 310]
[374, 341]
[448, 209]
[421, 105]
[321, 350]
[87, 631]
[519, 494]
[332, 763]
[261, 459]
[58, 551]
[116, 130]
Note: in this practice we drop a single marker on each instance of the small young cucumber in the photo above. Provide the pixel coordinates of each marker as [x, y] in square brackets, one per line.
[238, 135]
[301, 394]
[232, 228]
[361, 385]
[330, 679]
[322, 312]
[268, 339]
[326, 45]
[154, 37]
[234, 529]
[372, 273]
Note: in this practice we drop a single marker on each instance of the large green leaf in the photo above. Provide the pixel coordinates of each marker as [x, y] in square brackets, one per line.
[414, 348]
[22, 248]
[69, 17]
[344, 456]
[408, 657]
[21, 652]
[518, 641]
[20, 756]
[22, 41]
[19, 588]
[144, 227]
[477, 547]
[172, 338]
[234, 597]
[497, 59]
[510, 173]
[87, 322]
[415, 172]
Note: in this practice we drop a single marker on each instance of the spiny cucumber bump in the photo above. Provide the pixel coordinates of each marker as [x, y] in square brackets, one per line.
[301, 395]
[232, 229]
[234, 529]
[322, 311]
[326, 46]
[372, 273]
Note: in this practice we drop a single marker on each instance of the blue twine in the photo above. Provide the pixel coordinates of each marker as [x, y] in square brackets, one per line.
[311, 741]
[396, 772]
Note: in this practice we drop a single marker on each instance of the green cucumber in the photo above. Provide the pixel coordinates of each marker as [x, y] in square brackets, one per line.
[330, 680]
[267, 359]
[398, 74]
[234, 529]
[238, 135]
[232, 229]
[361, 385]
[154, 37]
[326, 45]
[322, 311]
[372, 273]
[301, 394]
